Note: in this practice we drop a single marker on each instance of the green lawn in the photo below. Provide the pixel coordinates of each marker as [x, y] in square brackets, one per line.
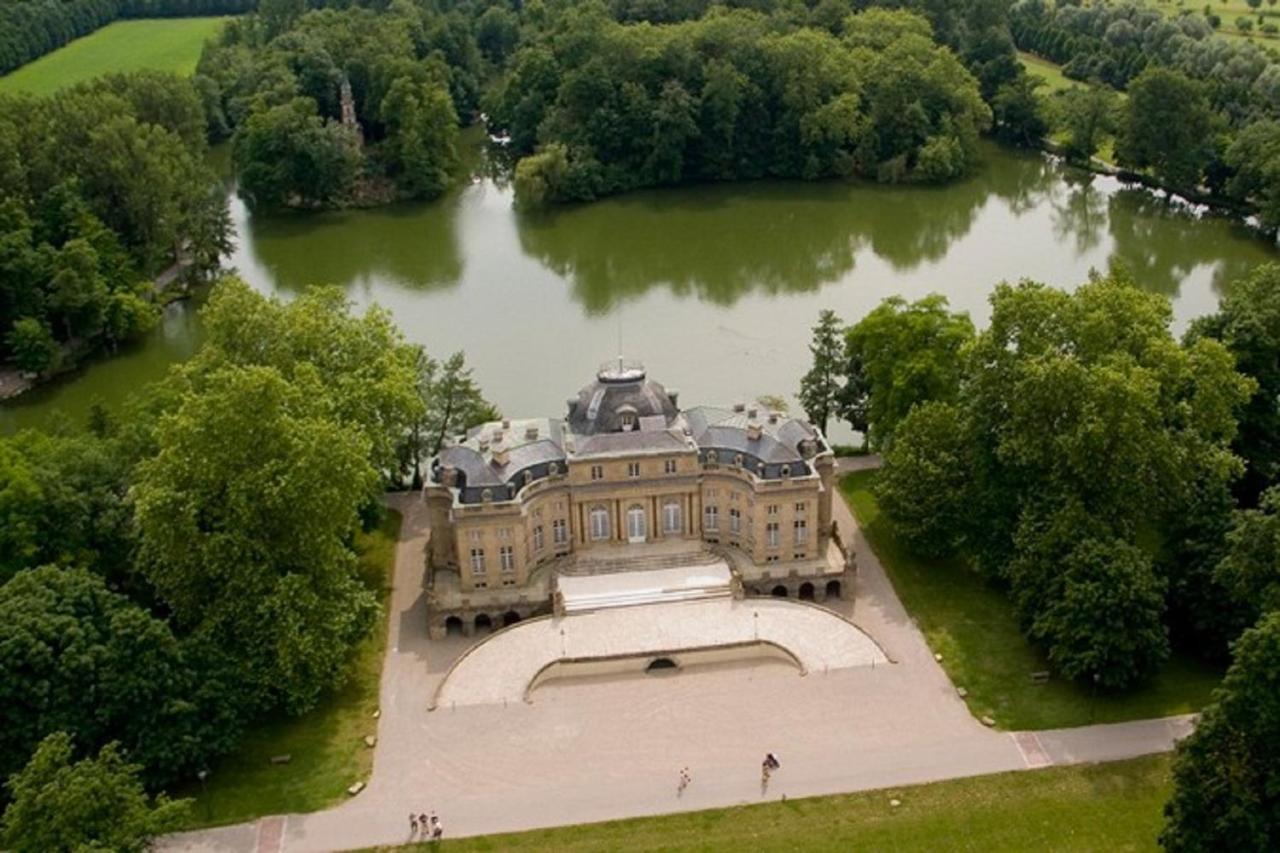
[326, 745]
[1050, 73]
[1110, 807]
[168, 44]
[972, 625]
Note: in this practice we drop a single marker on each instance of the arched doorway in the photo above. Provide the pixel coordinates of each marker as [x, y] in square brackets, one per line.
[510, 618]
[779, 591]
[806, 591]
[483, 623]
[636, 527]
[453, 627]
[661, 665]
[833, 589]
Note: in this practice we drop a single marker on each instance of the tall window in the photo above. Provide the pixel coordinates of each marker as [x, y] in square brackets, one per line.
[636, 527]
[477, 561]
[633, 469]
[669, 466]
[508, 558]
[735, 520]
[537, 538]
[802, 531]
[599, 523]
[711, 518]
[771, 534]
[671, 517]
[560, 531]
[597, 472]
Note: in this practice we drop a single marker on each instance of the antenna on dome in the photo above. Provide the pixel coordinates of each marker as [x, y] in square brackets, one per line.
[619, 341]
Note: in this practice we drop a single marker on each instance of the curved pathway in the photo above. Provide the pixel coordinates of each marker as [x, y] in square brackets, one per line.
[598, 751]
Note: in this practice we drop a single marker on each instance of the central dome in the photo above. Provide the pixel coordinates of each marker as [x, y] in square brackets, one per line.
[619, 399]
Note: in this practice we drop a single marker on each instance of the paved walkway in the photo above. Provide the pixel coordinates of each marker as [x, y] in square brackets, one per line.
[592, 751]
[502, 667]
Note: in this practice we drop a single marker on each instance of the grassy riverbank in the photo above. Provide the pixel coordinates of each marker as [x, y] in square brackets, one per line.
[1113, 807]
[165, 44]
[972, 625]
[326, 746]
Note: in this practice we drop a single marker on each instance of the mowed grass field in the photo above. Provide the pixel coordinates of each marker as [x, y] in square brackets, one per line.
[1112, 807]
[972, 625]
[164, 44]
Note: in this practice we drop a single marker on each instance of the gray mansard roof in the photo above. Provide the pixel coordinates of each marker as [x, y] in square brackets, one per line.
[623, 412]
[620, 390]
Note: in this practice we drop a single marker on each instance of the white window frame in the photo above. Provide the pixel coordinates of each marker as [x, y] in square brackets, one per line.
[477, 561]
[672, 520]
[560, 531]
[637, 524]
[597, 472]
[507, 556]
[801, 528]
[599, 520]
[633, 469]
[771, 534]
[711, 517]
[735, 520]
[538, 538]
[669, 466]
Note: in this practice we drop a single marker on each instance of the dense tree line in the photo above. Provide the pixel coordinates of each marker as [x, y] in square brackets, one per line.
[31, 28]
[1201, 108]
[1122, 486]
[610, 107]
[274, 82]
[181, 568]
[101, 187]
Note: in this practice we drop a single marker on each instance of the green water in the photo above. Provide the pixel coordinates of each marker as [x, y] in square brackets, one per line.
[715, 288]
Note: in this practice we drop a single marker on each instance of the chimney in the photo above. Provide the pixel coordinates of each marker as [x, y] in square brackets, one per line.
[501, 455]
[753, 431]
[773, 417]
[739, 407]
[673, 395]
[753, 412]
[506, 423]
[531, 434]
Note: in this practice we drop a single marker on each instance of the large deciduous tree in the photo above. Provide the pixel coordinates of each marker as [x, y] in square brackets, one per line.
[909, 353]
[245, 538]
[1226, 774]
[1247, 322]
[95, 803]
[76, 657]
[1167, 127]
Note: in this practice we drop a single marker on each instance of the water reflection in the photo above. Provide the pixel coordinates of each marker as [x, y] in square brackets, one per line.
[412, 246]
[1162, 242]
[715, 286]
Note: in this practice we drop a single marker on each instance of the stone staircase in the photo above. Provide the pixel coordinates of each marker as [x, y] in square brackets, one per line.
[660, 583]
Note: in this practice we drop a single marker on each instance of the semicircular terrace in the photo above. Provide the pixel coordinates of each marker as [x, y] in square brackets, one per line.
[501, 668]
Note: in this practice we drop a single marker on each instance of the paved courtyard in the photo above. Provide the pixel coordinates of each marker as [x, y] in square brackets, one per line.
[603, 749]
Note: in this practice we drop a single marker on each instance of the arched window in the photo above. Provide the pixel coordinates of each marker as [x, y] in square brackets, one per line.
[712, 457]
[599, 523]
[486, 495]
[671, 521]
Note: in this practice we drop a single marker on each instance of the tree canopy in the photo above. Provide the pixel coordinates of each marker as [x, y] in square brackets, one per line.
[1060, 441]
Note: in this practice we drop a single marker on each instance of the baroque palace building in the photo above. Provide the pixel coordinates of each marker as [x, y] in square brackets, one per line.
[628, 500]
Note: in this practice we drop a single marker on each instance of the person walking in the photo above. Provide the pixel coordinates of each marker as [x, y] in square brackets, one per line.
[437, 828]
[685, 779]
[413, 824]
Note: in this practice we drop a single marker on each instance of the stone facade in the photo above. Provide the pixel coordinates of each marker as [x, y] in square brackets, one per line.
[625, 479]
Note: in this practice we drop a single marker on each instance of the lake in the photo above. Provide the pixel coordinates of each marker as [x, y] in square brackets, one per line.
[715, 287]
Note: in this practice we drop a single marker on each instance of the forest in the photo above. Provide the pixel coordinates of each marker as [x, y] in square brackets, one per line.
[102, 187]
[163, 588]
[1120, 486]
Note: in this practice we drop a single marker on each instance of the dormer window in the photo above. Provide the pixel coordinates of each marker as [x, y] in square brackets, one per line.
[712, 457]
[628, 421]
[486, 495]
